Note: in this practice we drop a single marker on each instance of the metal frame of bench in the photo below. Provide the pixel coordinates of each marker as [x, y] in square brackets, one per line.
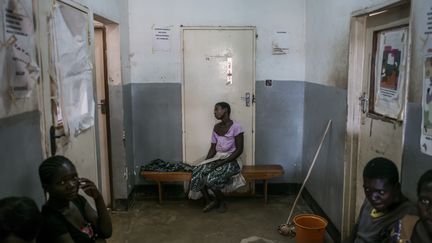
[251, 173]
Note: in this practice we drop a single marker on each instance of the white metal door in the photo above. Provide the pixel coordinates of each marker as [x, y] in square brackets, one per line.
[219, 65]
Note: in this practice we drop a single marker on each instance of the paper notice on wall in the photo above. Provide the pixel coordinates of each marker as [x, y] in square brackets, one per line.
[73, 68]
[280, 42]
[428, 30]
[426, 134]
[161, 39]
[21, 70]
[390, 66]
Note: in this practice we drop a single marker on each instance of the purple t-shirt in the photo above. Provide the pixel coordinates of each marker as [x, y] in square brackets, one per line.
[226, 143]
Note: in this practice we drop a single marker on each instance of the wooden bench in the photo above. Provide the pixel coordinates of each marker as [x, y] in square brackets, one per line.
[251, 173]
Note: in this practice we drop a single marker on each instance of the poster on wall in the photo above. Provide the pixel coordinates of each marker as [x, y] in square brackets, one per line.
[71, 58]
[390, 72]
[20, 70]
[428, 26]
[280, 42]
[426, 135]
[161, 39]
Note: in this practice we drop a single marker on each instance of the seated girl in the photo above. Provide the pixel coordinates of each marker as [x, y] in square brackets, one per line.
[68, 217]
[220, 172]
[418, 229]
[384, 205]
[20, 220]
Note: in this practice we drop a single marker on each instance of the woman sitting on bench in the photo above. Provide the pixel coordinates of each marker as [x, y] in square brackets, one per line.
[220, 172]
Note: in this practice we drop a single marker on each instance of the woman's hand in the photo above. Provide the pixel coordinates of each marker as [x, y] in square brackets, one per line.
[101, 218]
[219, 163]
[89, 188]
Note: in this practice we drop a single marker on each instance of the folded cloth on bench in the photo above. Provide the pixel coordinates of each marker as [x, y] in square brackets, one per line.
[226, 178]
[163, 166]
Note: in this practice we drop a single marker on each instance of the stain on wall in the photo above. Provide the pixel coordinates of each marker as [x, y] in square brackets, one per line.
[324, 103]
[279, 126]
[414, 162]
[20, 142]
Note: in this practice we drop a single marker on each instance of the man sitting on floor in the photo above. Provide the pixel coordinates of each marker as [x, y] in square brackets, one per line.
[384, 203]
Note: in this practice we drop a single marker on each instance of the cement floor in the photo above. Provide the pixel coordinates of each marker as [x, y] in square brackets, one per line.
[182, 221]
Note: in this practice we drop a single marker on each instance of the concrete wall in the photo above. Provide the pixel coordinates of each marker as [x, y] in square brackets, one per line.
[324, 103]
[327, 39]
[20, 157]
[420, 43]
[415, 163]
[129, 135]
[148, 67]
[157, 123]
[279, 126]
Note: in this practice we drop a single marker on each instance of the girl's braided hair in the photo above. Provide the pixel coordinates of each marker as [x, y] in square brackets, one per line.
[424, 179]
[49, 167]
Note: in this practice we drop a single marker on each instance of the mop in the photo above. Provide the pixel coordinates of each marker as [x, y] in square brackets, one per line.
[288, 228]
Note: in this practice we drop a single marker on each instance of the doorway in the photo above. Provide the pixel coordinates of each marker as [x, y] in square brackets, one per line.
[376, 107]
[73, 25]
[102, 109]
[218, 65]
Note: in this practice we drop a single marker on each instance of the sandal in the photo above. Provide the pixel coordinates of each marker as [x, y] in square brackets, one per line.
[210, 206]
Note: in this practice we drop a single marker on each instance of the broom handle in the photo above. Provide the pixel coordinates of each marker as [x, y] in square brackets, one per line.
[310, 170]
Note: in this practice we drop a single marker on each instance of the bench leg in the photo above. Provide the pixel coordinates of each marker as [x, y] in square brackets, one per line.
[265, 191]
[252, 186]
[160, 191]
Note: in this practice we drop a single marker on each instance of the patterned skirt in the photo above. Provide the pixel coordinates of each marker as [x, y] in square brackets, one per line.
[212, 177]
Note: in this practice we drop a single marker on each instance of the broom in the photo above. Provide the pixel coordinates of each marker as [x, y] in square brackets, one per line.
[288, 227]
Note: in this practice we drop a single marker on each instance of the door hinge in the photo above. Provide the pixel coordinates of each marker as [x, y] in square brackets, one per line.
[126, 173]
[103, 106]
[53, 137]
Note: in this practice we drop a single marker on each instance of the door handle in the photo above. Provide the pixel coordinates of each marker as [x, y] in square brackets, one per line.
[247, 99]
[364, 102]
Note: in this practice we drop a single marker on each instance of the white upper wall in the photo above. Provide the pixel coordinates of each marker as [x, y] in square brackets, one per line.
[420, 44]
[267, 16]
[116, 11]
[111, 9]
[327, 39]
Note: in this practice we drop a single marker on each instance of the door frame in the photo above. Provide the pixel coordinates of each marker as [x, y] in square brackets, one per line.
[357, 73]
[253, 29]
[46, 91]
[107, 115]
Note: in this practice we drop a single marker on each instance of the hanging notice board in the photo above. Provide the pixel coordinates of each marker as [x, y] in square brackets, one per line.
[18, 66]
[389, 72]
[71, 59]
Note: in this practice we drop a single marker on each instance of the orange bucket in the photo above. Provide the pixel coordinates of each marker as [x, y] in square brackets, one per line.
[310, 228]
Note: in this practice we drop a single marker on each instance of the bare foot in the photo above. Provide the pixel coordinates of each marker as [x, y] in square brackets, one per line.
[210, 206]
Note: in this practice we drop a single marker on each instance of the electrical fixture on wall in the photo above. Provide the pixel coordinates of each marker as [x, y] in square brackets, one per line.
[229, 71]
[376, 13]
[268, 82]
